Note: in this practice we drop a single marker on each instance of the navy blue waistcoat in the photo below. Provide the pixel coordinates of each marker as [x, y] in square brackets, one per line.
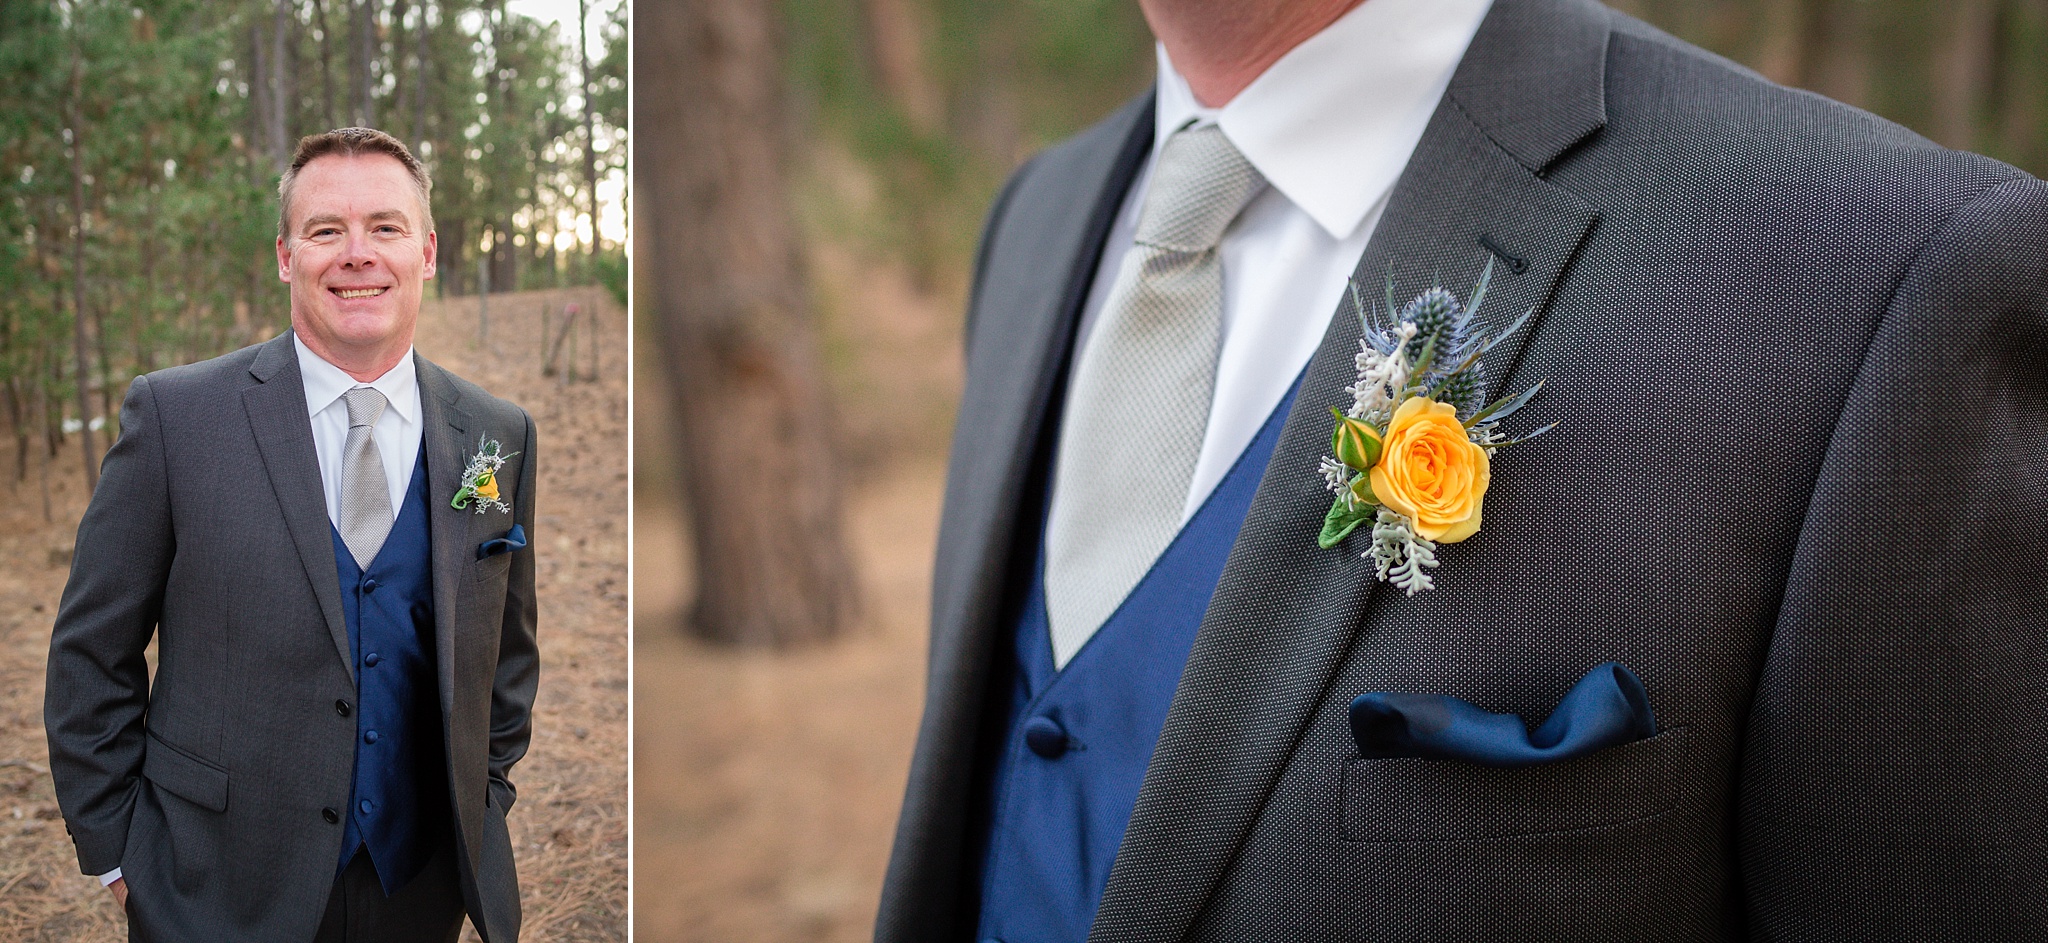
[1076, 740]
[398, 803]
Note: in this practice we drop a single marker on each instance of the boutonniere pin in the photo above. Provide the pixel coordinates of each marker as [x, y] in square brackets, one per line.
[480, 478]
[1414, 450]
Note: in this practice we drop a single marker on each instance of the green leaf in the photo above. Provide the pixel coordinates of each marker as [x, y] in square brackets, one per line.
[1539, 431]
[1341, 521]
[1479, 290]
[1504, 406]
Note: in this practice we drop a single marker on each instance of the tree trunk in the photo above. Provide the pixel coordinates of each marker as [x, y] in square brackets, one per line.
[2023, 137]
[752, 430]
[326, 64]
[283, 100]
[401, 88]
[421, 71]
[589, 135]
[1963, 70]
[261, 104]
[78, 339]
[18, 421]
[362, 61]
[896, 40]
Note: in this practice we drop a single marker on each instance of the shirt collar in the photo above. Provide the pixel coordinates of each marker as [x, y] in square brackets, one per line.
[326, 382]
[1332, 123]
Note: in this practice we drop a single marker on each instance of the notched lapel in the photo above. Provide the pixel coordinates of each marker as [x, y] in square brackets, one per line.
[1286, 613]
[448, 433]
[284, 437]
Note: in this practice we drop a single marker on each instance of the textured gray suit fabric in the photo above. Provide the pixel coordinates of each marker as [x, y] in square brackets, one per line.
[366, 516]
[208, 531]
[1800, 356]
[1142, 389]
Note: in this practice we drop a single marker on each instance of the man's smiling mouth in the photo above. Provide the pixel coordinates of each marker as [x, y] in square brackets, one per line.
[359, 292]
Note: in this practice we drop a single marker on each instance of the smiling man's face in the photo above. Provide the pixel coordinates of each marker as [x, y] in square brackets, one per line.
[358, 257]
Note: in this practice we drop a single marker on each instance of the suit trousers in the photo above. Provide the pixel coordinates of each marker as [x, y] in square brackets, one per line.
[428, 909]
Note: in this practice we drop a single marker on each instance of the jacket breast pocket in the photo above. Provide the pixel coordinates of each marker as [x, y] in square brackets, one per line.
[1417, 800]
[493, 567]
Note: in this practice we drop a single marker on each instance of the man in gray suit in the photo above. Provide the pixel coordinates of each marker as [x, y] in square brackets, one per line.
[325, 534]
[1800, 360]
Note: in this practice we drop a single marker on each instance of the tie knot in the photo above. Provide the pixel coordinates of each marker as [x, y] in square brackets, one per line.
[364, 406]
[1199, 185]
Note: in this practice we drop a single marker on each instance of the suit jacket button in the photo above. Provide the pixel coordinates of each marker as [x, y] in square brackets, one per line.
[342, 708]
[330, 815]
[1045, 737]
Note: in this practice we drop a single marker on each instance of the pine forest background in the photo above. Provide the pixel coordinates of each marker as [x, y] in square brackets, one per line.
[141, 143]
[812, 179]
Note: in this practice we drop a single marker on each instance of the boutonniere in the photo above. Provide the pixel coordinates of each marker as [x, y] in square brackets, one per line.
[1414, 450]
[480, 478]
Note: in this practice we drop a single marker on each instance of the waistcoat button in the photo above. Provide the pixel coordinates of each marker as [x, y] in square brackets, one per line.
[1045, 737]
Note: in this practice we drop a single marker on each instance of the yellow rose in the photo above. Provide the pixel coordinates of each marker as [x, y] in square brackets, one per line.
[1430, 472]
[487, 486]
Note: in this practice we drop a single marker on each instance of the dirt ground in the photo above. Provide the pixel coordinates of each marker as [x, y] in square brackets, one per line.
[569, 828]
[766, 785]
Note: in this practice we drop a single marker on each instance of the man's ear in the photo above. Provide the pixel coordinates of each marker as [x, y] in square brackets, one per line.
[284, 261]
[433, 246]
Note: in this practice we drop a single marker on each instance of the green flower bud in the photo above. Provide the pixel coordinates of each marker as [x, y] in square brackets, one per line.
[1355, 442]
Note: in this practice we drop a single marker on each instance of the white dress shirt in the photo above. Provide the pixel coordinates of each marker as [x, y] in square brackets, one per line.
[398, 431]
[1331, 126]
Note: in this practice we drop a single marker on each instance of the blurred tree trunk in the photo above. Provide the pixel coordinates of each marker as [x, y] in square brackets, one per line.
[78, 340]
[421, 73]
[1963, 70]
[990, 114]
[752, 432]
[896, 38]
[589, 137]
[401, 86]
[283, 96]
[327, 121]
[362, 63]
[1820, 45]
[2023, 136]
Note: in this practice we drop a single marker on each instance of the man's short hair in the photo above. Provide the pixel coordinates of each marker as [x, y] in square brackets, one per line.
[351, 142]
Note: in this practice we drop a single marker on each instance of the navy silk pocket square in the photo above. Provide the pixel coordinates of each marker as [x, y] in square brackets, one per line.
[514, 539]
[1608, 707]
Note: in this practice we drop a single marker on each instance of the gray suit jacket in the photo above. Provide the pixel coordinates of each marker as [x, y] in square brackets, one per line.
[213, 788]
[1800, 356]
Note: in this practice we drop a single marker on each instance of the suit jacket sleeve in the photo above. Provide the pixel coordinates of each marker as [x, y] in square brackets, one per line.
[518, 654]
[98, 682]
[1895, 774]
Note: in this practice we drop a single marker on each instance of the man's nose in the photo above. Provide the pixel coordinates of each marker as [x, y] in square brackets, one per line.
[356, 252]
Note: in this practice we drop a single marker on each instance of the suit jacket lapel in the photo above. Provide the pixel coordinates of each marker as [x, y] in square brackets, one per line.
[448, 438]
[284, 437]
[1285, 613]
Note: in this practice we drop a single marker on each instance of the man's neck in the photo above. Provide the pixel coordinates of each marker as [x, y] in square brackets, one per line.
[362, 366]
[1220, 46]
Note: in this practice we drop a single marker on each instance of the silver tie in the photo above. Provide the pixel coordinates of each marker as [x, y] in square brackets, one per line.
[365, 492]
[1138, 405]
